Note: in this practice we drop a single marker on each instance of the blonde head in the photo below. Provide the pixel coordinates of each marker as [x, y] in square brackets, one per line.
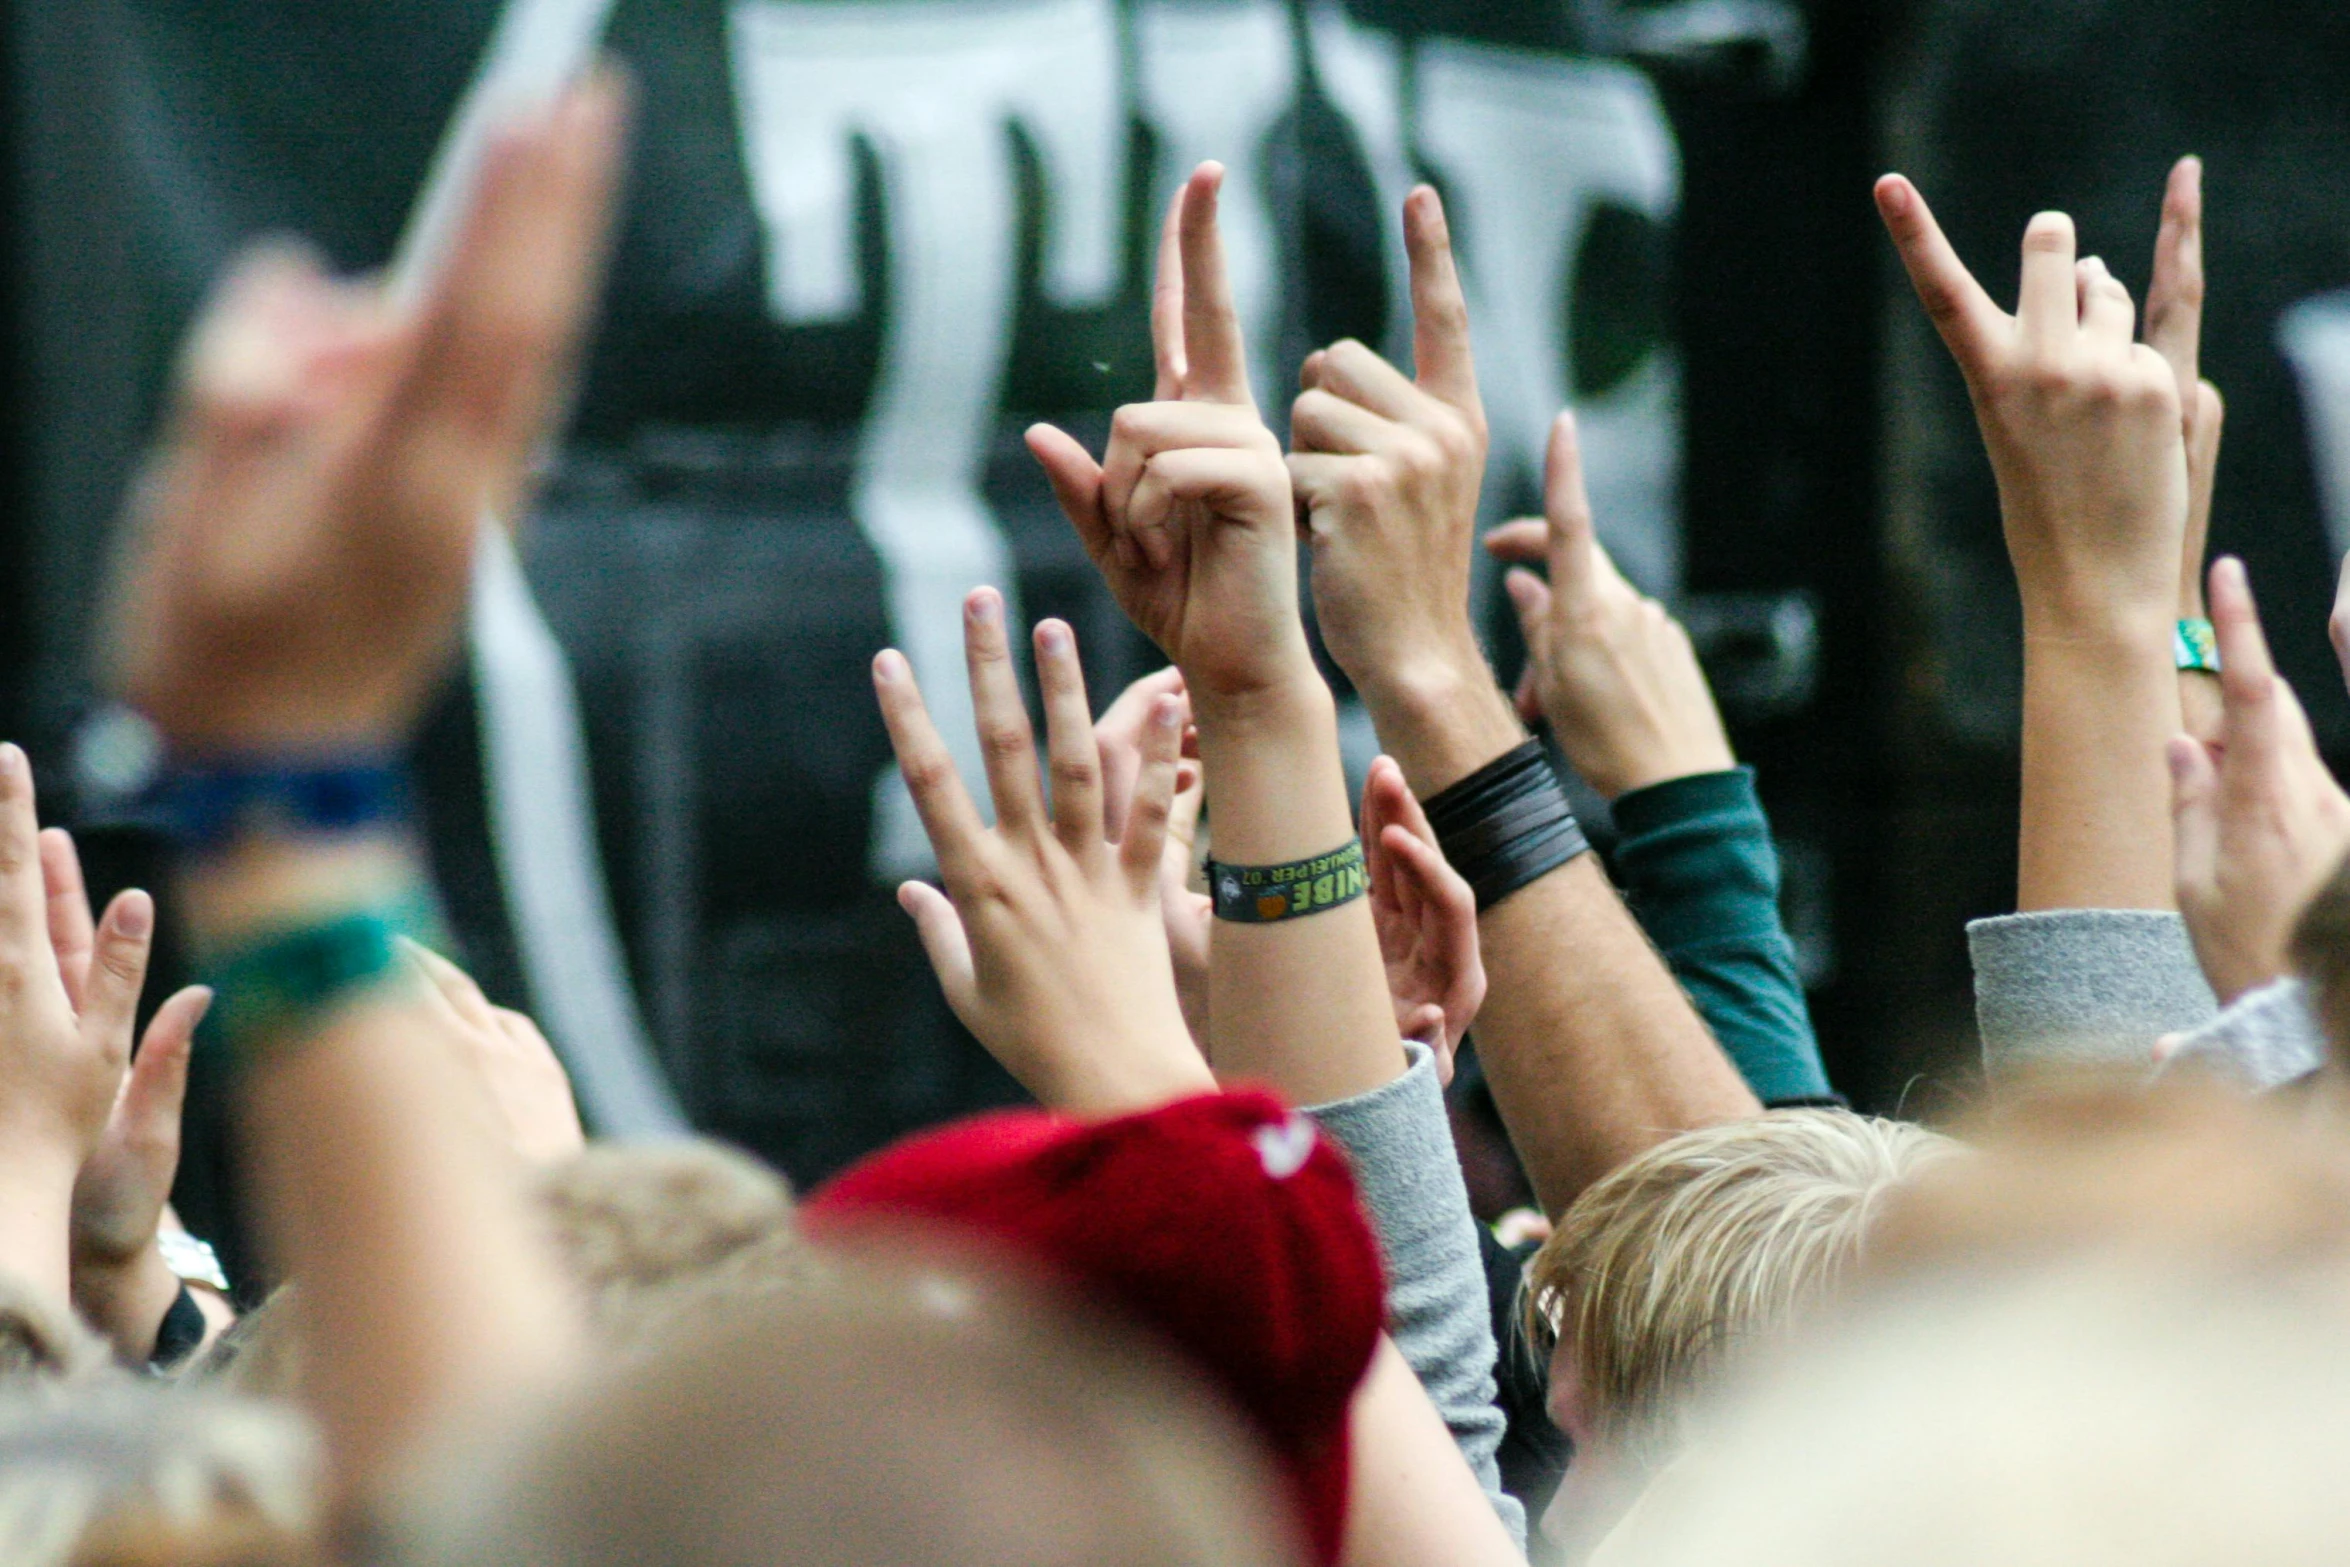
[1713, 1237]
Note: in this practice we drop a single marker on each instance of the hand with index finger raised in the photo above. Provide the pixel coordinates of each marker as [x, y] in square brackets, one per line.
[1189, 516]
[1387, 470]
[2083, 424]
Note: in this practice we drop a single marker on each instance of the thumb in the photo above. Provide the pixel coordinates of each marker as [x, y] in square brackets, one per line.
[157, 1088]
[1530, 596]
[2194, 812]
[944, 942]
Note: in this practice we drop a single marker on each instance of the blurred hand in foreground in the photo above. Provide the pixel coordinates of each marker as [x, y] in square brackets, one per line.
[301, 546]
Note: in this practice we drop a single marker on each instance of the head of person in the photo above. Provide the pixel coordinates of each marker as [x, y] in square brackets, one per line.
[1223, 1228]
[125, 1471]
[1704, 1244]
[648, 1233]
[916, 1404]
[2118, 1331]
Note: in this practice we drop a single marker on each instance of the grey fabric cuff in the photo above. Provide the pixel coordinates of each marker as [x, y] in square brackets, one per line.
[2083, 987]
[1399, 1141]
[2263, 1039]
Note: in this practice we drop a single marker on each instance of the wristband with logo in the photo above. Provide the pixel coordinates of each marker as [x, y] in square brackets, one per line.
[1271, 894]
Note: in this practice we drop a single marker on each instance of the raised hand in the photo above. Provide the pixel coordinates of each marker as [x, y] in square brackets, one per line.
[61, 1063]
[122, 1193]
[2259, 822]
[1612, 671]
[1427, 919]
[2174, 329]
[1048, 938]
[1387, 470]
[303, 544]
[1189, 515]
[2083, 423]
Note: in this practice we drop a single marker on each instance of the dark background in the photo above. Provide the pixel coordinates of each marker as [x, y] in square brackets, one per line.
[1828, 446]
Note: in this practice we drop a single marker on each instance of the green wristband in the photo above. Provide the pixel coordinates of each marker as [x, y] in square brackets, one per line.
[1269, 894]
[278, 988]
[2194, 645]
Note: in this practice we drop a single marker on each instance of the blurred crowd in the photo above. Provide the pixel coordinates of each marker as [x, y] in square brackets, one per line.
[1220, 1297]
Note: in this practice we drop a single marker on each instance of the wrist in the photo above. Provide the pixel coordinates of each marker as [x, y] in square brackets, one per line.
[1299, 696]
[265, 882]
[2107, 620]
[1442, 719]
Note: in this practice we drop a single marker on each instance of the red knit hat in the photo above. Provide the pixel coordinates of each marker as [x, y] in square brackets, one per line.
[1226, 1223]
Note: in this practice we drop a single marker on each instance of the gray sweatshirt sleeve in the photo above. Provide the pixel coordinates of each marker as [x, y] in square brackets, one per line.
[2264, 1039]
[1400, 1143]
[2083, 987]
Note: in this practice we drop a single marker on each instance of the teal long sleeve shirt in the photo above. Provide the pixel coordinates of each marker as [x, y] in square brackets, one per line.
[1698, 869]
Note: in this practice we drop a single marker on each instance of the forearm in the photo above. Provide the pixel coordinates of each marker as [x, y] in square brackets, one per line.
[1300, 1005]
[382, 1187]
[1411, 1500]
[2096, 827]
[1593, 1051]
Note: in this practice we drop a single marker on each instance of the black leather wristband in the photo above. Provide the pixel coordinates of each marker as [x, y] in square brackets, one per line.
[179, 1335]
[1507, 824]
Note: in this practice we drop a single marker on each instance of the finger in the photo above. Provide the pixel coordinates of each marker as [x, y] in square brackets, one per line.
[1007, 742]
[1409, 887]
[71, 929]
[501, 329]
[1167, 305]
[1219, 480]
[1379, 811]
[1075, 759]
[156, 1090]
[2048, 311]
[1118, 739]
[2174, 299]
[1530, 596]
[2194, 812]
[1148, 821]
[944, 942]
[24, 903]
[1320, 421]
[1969, 322]
[1309, 374]
[940, 799]
[1077, 484]
[1566, 507]
[1527, 698]
[1522, 541]
[454, 985]
[1442, 357]
[2108, 319]
[118, 971]
[1352, 371]
[2247, 676]
[1216, 359]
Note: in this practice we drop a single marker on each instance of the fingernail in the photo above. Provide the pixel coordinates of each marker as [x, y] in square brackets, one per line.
[137, 916]
[984, 605]
[885, 665]
[12, 762]
[203, 1001]
[1053, 637]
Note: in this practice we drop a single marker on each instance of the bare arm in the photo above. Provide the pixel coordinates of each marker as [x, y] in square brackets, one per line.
[1189, 518]
[1593, 1051]
[2085, 435]
[306, 544]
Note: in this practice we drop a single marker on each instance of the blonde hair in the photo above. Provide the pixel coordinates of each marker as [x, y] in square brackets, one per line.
[80, 1475]
[1708, 1239]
